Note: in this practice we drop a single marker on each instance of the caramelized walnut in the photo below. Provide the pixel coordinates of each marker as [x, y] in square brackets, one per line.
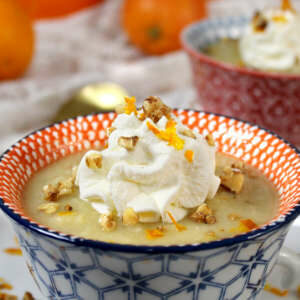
[233, 179]
[108, 222]
[130, 217]
[94, 161]
[155, 109]
[210, 140]
[128, 142]
[188, 133]
[259, 22]
[203, 214]
[28, 296]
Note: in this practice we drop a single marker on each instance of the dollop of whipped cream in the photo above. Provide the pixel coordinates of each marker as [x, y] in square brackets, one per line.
[167, 169]
[272, 40]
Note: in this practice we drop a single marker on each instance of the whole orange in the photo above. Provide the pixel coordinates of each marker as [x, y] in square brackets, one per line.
[16, 39]
[44, 9]
[154, 25]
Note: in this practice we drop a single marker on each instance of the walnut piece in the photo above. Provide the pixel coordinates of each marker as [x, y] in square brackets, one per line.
[155, 109]
[188, 133]
[128, 142]
[210, 140]
[107, 222]
[203, 214]
[52, 192]
[28, 296]
[94, 161]
[130, 217]
[68, 207]
[49, 207]
[259, 22]
[4, 296]
[233, 179]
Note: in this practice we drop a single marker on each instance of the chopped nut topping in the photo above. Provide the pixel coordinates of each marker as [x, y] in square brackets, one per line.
[232, 178]
[203, 214]
[49, 207]
[28, 296]
[4, 296]
[130, 217]
[53, 192]
[68, 207]
[155, 109]
[188, 133]
[94, 161]
[128, 142]
[259, 22]
[110, 130]
[210, 140]
[50, 192]
[108, 222]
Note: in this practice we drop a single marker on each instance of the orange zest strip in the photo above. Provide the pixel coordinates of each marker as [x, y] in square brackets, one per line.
[249, 224]
[178, 226]
[276, 291]
[169, 134]
[130, 105]
[189, 155]
[13, 251]
[287, 5]
[153, 234]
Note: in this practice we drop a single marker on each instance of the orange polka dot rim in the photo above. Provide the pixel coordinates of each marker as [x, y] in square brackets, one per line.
[277, 159]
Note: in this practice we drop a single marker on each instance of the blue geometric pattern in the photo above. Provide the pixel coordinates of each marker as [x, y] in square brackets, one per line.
[65, 271]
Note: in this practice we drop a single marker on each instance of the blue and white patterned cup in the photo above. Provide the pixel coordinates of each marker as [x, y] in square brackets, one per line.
[69, 267]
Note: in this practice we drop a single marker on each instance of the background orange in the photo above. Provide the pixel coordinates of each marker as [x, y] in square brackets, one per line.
[43, 9]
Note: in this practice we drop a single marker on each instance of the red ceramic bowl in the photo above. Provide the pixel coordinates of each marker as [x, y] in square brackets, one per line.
[267, 99]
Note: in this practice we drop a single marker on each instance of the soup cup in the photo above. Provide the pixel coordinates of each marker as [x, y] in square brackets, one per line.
[271, 100]
[70, 267]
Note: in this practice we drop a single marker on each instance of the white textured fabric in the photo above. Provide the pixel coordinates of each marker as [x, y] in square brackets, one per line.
[90, 46]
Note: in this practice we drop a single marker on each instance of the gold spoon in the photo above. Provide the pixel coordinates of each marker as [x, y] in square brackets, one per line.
[92, 98]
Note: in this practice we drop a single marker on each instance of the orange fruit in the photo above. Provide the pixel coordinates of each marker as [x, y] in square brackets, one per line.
[44, 9]
[16, 39]
[154, 25]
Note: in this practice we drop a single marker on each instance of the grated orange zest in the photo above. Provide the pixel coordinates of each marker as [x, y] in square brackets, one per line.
[189, 155]
[153, 234]
[130, 105]
[169, 134]
[249, 224]
[5, 286]
[13, 251]
[276, 291]
[178, 226]
[279, 19]
[142, 116]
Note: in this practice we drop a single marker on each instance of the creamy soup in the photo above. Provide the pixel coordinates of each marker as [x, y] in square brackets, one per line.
[257, 202]
[227, 51]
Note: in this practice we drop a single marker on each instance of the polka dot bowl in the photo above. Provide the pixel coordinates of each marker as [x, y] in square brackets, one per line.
[85, 266]
[268, 99]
